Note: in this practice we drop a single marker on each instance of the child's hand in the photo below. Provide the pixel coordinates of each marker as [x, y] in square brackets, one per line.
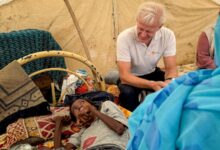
[69, 146]
[88, 109]
[86, 116]
[84, 120]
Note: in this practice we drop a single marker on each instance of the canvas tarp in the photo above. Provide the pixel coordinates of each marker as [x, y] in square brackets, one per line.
[101, 21]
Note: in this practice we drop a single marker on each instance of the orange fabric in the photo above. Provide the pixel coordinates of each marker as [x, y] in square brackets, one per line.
[126, 112]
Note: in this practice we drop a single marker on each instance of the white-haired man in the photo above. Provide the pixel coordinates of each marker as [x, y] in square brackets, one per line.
[139, 49]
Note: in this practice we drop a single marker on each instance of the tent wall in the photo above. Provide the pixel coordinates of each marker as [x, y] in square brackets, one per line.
[102, 20]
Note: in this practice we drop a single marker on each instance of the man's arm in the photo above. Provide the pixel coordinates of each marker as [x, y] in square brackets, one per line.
[170, 68]
[128, 78]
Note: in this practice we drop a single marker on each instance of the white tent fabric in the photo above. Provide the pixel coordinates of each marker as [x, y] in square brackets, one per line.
[102, 20]
[2, 2]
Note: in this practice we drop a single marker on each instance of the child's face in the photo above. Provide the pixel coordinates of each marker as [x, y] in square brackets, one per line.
[81, 110]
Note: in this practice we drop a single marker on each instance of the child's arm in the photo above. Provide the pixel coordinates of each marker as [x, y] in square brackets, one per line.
[59, 122]
[57, 132]
[113, 124]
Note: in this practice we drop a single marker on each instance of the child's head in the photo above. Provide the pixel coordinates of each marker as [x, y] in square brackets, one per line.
[80, 112]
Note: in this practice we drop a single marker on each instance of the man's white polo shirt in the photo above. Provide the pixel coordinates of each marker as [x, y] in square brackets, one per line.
[144, 58]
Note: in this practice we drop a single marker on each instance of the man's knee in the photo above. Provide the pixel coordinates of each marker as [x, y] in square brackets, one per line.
[128, 97]
[126, 89]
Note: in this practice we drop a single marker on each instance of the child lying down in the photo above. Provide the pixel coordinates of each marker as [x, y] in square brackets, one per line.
[101, 128]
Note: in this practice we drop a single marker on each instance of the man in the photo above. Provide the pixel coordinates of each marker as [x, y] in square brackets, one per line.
[139, 49]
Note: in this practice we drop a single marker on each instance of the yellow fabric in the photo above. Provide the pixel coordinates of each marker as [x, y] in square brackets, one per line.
[126, 112]
[2, 139]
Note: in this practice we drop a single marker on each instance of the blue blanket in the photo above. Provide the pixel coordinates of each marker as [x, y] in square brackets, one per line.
[184, 115]
[217, 42]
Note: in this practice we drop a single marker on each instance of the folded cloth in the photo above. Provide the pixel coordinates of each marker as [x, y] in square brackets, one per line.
[19, 96]
[217, 42]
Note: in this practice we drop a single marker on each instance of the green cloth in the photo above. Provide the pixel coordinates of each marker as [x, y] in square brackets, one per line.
[16, 44]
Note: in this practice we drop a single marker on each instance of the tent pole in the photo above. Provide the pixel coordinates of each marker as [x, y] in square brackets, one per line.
[78, 29]
[115, 19]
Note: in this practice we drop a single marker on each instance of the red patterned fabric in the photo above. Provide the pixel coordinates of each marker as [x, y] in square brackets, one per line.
[41, 126]
[88, 142]
[15, 132]
[46, 124]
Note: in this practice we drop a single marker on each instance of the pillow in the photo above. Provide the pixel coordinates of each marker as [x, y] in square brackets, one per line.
[97, 97]
[19, 96]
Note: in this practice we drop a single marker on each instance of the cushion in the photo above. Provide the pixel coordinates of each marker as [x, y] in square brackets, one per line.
[19, 96]
[96, 97]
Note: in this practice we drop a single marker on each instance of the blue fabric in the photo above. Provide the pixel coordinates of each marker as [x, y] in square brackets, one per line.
[217, 42]
[185, 115]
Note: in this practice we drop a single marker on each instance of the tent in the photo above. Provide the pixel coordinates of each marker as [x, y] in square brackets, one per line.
[102, 20]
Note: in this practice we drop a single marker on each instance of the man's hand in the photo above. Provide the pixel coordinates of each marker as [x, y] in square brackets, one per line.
[157, 85]
[167, 81]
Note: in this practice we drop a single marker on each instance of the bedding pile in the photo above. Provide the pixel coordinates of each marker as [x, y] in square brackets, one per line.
[19, 96]
[26, 117]
[40, 127]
